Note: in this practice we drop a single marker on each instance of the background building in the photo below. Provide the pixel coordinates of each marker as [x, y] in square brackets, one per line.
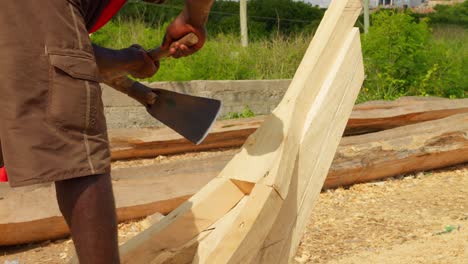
[375, 3]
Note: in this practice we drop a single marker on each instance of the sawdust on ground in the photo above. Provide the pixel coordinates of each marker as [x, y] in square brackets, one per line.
[415, 219]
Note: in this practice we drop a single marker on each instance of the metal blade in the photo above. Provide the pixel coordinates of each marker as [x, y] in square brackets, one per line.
[190, 116]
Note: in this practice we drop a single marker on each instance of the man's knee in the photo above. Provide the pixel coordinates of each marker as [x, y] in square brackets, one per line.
[69, 191]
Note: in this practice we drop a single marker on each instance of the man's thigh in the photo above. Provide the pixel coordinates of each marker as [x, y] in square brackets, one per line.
[52, 121]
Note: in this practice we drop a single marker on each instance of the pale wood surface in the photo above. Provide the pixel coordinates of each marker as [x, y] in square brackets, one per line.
[270, 152]
[322, 137]
[242, 239]
[190, 253]
[325, 107]
[322, 133]
[185, 223]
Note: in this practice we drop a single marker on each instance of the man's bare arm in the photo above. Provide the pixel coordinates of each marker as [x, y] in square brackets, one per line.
[191, 20]
[197, 11]
[130, 61]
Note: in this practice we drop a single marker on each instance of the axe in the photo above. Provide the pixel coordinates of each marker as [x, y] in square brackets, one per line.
[189, 116]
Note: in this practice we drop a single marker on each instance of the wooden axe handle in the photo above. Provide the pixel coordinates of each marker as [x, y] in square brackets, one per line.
[140, 92]
[159, 53]
[135, 90]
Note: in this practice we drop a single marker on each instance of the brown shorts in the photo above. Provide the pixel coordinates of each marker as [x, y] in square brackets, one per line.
[52, 124]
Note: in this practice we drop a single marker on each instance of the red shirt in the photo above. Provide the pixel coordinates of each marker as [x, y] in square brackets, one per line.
[3, 175]
[109, 11]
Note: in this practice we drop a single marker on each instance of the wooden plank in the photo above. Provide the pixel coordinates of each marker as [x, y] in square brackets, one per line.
[185, 223]
[322, 132]
[218, 232]
[131, 143]
[270, 151]
[419, 147]
[381, 115]
[368, 117]
[338, 81]
[195, 250]
[139, 192]
[243, 238]
[325, 122]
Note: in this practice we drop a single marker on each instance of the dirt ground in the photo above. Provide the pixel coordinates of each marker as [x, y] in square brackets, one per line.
[420, 218]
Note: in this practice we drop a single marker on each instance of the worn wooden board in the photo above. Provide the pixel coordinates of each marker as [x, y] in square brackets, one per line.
[268, 155]
[424, 146]
[419, 147]
[249, 228]
[322, 133]
[139, 192]
[323, 109]
[183, 224]
[131, 143]
[376, 116]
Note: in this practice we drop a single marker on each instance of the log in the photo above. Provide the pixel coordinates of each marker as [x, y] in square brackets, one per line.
[31, 214]
[434, 144]
[376, 116]
[131, 143]
[419, 147]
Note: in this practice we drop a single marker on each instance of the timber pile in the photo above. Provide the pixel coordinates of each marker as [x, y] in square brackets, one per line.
[139, 192]
[131, 143]
[380, 115]
[419, 147]
[143, 191]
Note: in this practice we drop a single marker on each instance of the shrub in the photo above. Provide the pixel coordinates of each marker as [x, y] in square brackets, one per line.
[451, 14]
[403, 58]
[394, 54]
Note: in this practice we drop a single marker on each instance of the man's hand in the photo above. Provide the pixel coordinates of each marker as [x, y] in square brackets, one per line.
[192, 20]
[140, 65]
[132, 61]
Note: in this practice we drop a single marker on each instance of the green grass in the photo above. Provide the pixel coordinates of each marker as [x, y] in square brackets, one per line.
[222, 58]
[442, 72]
[246, 113]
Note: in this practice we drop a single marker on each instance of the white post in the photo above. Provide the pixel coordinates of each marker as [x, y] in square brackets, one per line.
[243, 23]
[366, 16]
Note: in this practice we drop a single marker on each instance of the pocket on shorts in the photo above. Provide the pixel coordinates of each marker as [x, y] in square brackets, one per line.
[74, 91]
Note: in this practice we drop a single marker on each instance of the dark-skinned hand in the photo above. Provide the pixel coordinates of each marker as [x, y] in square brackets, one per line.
[132, 61]
[179, 28]
[140, 65]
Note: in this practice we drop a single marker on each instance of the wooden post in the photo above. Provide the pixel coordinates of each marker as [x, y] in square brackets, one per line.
[243, 23]
[366, 16]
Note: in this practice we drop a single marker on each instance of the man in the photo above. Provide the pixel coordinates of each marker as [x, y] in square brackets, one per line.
[52, 126]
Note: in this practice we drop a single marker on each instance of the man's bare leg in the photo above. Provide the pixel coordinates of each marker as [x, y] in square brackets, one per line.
[88, 205]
